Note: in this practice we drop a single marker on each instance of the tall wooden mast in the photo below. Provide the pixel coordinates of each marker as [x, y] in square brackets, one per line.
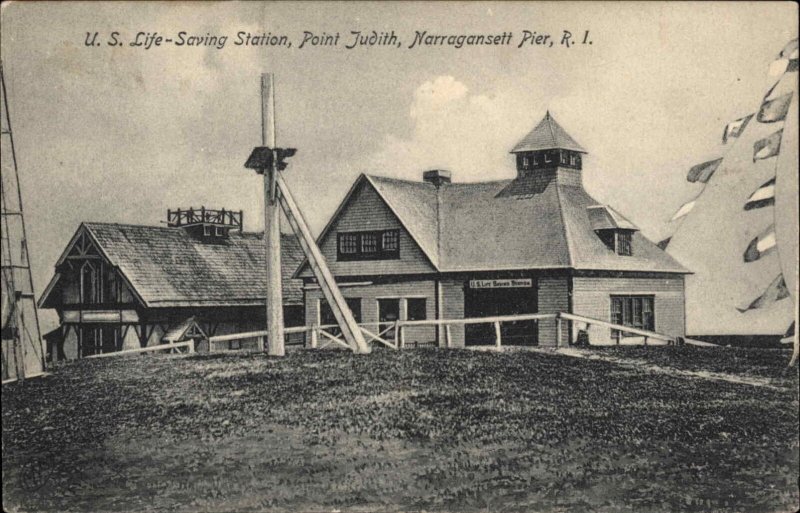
[272, 222]
[269, 160]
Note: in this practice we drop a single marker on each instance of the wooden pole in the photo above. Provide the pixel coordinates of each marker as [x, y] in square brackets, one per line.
[272, 223]
[497, 334]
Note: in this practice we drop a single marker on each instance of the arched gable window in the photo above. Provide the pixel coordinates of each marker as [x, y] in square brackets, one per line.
[90, 283]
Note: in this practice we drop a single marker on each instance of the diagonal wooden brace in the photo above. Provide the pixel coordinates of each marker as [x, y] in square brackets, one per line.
[344, 317]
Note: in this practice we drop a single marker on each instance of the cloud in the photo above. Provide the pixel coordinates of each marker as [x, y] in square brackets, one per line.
[437, 95]
[452, 128]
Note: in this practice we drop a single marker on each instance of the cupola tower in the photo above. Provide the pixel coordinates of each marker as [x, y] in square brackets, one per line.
[547, 147]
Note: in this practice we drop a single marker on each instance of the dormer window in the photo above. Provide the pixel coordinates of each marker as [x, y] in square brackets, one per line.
[219, 231]
[615, 231]
[206, 231]
[547, 158]
[573, 160]
[563, 157]
[618, 241]
[525, 162]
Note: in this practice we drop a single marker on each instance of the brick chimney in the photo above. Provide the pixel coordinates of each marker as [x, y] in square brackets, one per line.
[436, 176]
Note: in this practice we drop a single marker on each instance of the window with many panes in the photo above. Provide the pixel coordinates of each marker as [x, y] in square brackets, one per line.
[348, 243]
[390, 241]
[371, 245]
[634, 311]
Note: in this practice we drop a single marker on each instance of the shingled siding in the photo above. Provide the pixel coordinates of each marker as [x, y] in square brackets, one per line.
[366, 211]
[591, 297]
[553, 298]
[369, 296]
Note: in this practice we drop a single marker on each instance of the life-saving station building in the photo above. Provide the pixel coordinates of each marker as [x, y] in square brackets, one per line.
[119, 286]
[438, 249]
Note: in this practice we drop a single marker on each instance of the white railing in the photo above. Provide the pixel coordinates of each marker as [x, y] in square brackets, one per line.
[172, 348]
[448, 338]
[623, 329]
[397, 328]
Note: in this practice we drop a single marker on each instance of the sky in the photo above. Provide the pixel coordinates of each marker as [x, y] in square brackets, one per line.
[121, 134]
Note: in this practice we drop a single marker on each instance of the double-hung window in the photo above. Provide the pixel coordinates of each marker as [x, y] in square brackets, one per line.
[634, 311]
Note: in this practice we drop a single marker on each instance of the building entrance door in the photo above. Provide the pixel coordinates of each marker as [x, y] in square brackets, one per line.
[482, 301]
[388, 313]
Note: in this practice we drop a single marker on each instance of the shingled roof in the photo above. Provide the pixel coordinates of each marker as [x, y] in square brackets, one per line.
[538, 222]
[547, 135]
[168, 267]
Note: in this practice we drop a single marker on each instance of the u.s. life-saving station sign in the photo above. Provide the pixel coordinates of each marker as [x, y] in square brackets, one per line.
[500, 284]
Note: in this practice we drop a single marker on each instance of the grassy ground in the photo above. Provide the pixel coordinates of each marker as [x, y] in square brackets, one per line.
[423, 429]
[750, 362]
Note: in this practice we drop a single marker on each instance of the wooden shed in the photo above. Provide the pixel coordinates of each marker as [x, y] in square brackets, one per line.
[119, 286]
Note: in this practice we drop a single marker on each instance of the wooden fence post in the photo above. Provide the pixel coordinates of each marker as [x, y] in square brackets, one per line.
[396, 333]
[558, 331]
[645, 341]
[314, 337]
[402, 343]
[447, 336]
[497, 336]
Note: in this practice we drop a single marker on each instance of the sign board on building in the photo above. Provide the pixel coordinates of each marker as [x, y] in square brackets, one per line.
[100, 316]
[500, 284]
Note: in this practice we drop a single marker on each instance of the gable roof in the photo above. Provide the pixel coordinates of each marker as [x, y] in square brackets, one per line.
[413, 203]
[169, 267]
[183, 330]
[547, 135]
[532, 222]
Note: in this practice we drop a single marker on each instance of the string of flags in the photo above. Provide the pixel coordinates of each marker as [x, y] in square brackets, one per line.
[774, 109]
